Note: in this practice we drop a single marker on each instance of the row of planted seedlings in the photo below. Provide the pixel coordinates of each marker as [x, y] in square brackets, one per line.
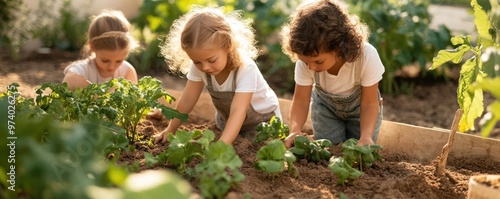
[272, 157]
[217, 167]
[109, 120]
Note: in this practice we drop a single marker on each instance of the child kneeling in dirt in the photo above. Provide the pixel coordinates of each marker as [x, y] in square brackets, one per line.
[337, 70]
[219, 51]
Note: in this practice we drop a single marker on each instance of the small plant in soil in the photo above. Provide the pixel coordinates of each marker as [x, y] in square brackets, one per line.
[219, 171]
[311, 150]
[360, 156]
[275, 129]
[183, 147]
[343, 170]
[355, 158]
[272, 158]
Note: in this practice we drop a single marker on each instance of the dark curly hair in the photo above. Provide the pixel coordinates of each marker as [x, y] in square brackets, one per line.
[324, 26]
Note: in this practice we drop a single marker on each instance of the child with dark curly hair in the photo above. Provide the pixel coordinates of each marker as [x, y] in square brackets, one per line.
[336, 74]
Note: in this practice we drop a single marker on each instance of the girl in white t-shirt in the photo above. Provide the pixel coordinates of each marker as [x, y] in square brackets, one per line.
[108, 45]
[336, 74]
[218, 50]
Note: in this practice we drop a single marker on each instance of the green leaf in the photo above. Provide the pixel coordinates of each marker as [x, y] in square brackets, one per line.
[444, 56]
[297, 151]
[301, 142]
[470, 101]
[324, 142]
[117, 175]
[150, 159]
[482, 24]
[271, 166]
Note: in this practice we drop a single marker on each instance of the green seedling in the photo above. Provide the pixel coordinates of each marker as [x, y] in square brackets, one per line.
[343, 170]
[275, 129]
[272, 158]
[219, 171]
[360, 156]
[311, 150]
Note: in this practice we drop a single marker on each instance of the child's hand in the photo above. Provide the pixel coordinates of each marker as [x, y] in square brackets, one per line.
[162, 137]
[365, 141]
[290, 139]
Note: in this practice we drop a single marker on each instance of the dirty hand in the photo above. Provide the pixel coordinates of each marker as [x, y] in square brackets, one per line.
[290, 139]
[162, 137]
[365, 141]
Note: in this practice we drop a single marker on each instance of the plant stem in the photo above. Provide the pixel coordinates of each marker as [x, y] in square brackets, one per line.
[441, 164]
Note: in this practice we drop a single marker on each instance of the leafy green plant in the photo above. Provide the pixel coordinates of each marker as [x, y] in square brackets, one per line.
[272, 157]
[355, 158]
[183, 147]
[275, 129]
[219, 171]
[14, 31]
[117, 101]
[311, 150]
[343, 170]
[53, 159]
[469, 97]
[360, 156]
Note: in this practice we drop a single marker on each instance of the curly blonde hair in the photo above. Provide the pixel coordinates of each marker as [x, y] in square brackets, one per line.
[109, 30]
[324, 26]
[209, 28]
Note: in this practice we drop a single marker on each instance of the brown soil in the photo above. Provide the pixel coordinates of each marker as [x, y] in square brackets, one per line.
[431, 105]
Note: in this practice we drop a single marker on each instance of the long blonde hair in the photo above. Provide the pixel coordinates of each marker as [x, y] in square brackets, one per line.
[209, 28]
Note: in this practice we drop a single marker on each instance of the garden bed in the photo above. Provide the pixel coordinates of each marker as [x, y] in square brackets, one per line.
[406, 171]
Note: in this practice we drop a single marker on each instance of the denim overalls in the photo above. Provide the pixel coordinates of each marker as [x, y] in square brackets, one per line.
[337, 118]
[222, 101]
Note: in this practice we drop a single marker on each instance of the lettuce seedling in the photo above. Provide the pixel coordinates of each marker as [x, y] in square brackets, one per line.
[219, 171]
[311, 150]
[272, 157]
[275, 129]
[184, 146]
[343, 170]
[362, 156]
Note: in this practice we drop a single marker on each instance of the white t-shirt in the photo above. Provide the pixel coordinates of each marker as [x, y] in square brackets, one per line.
[88, 69]
[248, 80]
[343, 83]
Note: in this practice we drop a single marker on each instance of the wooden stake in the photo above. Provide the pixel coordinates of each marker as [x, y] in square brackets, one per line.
[441, 164]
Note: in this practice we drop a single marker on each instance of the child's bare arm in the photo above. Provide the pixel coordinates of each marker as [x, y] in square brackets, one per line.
[369, 113]
[237, 115]
[131, 75]
[75, 81]
[298, 112]
[188, 99]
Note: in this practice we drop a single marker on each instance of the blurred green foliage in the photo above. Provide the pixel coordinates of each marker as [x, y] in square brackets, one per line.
[13, 29]
[401, 34]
